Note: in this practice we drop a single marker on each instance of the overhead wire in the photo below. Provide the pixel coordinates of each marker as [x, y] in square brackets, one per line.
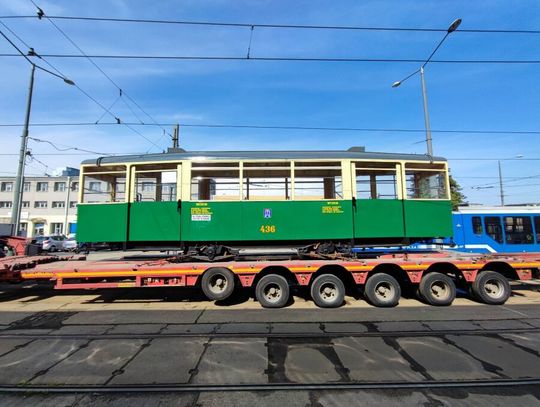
[65, 78]
[286, 59]
[275, 26]
[66, 147]
[42, 14]
[283, 127]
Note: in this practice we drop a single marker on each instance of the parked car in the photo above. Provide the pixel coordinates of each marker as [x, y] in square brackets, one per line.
[70, 244]
[51, 243]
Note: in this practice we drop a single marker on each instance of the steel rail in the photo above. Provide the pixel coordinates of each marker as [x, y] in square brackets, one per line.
[190, 388]
[93, 336]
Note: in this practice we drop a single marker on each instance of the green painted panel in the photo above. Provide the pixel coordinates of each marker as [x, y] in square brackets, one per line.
[211, 221]
[154, 221]
[102, 222]
[285, 220]
[378, 218]
[297, 220]
[425, 218]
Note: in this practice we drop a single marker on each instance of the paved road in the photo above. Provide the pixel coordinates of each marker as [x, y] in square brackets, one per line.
[141, 338]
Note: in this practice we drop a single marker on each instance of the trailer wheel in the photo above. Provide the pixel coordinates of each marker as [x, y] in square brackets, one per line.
[272, 291]
[217, 283]
[382, 290]
[437, 289]
[491, 288]
[328, 291]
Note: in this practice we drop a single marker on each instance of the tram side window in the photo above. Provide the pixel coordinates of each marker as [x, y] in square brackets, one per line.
[537, 228]
[269, 181]
[380, 184]
[104, 184]
[494, 228]
[215, 185]
[477, 225]
[155, 185]
[426, 184]
[518, 229]
[314, 181]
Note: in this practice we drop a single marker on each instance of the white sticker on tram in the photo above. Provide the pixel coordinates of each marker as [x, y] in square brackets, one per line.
[203, 218]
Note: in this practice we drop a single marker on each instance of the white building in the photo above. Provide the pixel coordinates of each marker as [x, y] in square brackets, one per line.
[49, 204]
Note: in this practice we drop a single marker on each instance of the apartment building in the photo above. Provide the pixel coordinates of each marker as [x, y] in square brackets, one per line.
[49, 204]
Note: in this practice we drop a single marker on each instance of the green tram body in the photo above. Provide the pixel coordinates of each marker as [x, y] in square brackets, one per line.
[263, 198]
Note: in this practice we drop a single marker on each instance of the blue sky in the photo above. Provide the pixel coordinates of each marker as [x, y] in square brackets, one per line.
[483, 97]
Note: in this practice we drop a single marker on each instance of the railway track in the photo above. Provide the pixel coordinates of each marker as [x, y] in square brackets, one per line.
[190, 388]
[112, 336]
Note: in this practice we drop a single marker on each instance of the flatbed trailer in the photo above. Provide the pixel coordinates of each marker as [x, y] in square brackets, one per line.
[434, 276]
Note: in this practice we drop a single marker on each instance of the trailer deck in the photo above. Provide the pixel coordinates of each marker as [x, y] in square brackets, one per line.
[76, 272]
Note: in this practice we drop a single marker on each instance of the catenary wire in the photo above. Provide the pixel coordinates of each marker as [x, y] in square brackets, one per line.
[72, 42]
[285, 59]
[275, 26]
[62, 76]
[270, 127]
[66, 147]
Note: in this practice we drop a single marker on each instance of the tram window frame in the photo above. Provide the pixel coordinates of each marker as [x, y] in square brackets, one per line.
[497, 235]
[416, 173]
[518, 230]
[114, 189]
[318, 181]
[207, 179]
[477, 227]
[259, 178]
[377, 181]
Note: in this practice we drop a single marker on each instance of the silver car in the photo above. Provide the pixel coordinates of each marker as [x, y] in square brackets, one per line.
[53, 243]
[70, 244]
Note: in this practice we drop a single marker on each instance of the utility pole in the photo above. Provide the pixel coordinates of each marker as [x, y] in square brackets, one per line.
[501, 184]
[176, 136]
[429, 144]
[66, 212]
[17, 193]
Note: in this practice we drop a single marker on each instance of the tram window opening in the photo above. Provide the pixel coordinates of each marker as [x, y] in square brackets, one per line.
[518, 229]
[104, 184]
[494, 228]
[318, 184]
[537, 228]
[215, 185]
[155, 186]
[422, 184]
[477, 225]
[376, 184]
[266, 184]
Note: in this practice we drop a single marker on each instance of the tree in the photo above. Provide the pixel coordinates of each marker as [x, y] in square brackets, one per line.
[457, 197]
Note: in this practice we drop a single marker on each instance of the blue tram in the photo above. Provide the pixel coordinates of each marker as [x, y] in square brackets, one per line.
[496, 229]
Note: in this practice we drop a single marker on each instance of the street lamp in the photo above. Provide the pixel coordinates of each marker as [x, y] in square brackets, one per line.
[17, 192]
[453, 27]
[501, 190]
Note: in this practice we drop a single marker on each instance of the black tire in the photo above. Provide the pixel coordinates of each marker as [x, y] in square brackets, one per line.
[217, 283]
[52, 249]
[437, 289]
[382, 290]
[491, 288]
[272, 291]
[328, 291]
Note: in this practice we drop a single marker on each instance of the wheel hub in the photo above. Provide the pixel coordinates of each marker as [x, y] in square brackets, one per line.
[272, 293]
[382, 290]
[328, 291]
[218, 284]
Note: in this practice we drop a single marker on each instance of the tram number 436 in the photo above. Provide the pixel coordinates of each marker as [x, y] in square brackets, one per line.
[268, 229]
